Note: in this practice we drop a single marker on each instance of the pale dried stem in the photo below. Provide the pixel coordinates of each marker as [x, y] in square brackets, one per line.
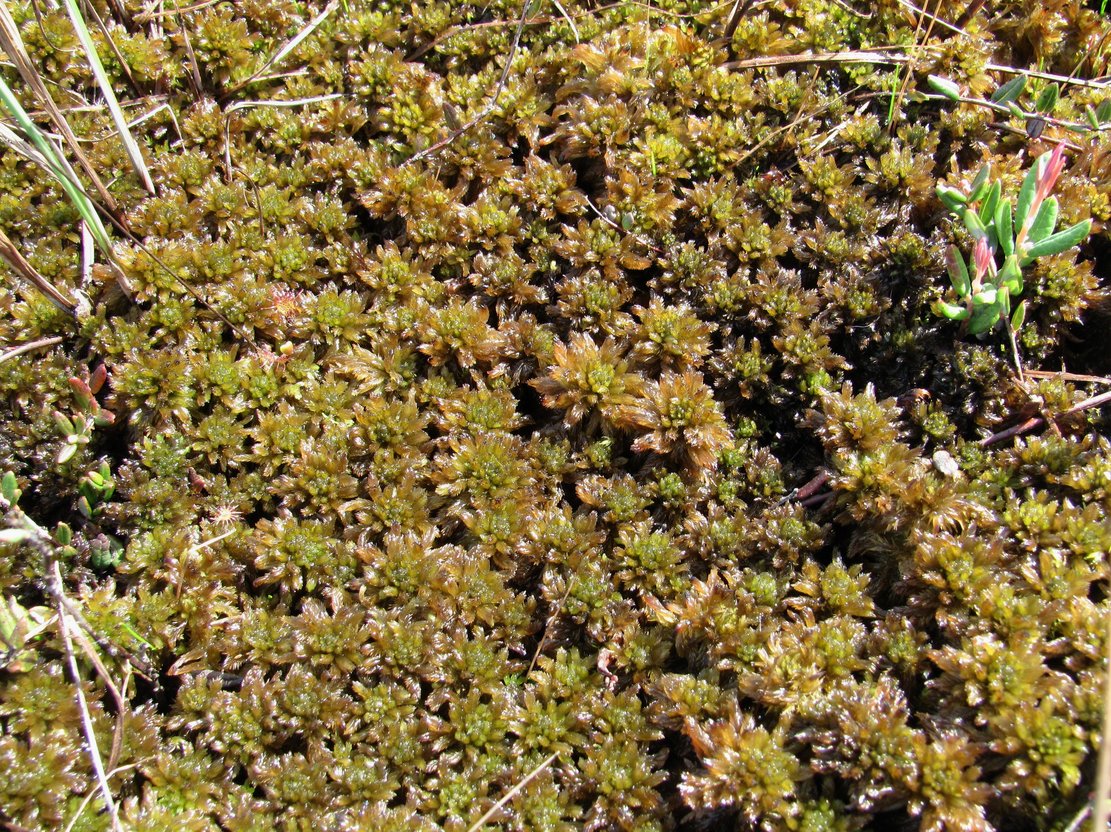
[289, 46]
[75, 674]
[30, 346]
[524, 781]
[498, 89]
[25, 270]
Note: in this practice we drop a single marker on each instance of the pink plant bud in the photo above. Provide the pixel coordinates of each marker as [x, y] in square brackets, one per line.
[982, 259]
[1049, 174]
[97, 379]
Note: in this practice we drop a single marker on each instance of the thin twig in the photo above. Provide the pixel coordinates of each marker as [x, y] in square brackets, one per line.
[459, 28]
[75, 673]
[1016, 430]
[124, 68]
[624, 231]
[292, 44]
[117, 697]
[278, 102]
[148, 16]
[29, 346]
[548, 626]
[489, 108]
[14, 258]
[509, 795]
[1065, 376]
[570, 20]
[92, 793]
[195, 67]
[1037, 421]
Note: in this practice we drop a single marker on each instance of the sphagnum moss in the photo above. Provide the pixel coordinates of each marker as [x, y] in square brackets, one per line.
[504, 468]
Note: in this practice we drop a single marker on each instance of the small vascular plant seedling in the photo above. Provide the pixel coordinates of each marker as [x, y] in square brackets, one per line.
[1020, 234]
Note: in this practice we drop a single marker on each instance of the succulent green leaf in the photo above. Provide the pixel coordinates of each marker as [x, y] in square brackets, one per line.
[1047, 99]
[950, 310]
[1010, 91]
[1004, 230]
[958, 272]
[987, 296]
[983, 319]
[9, 488]
[67, 451]
[987, 209]
[1019, 317]
[1010, 276]
[944, 86]
[1061, 241]
[973, 224]
[953, 199]
[980, 184]
[1026, 193]
[1045, 220]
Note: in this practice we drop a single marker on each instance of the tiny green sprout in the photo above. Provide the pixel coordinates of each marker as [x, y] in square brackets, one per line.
[95, 488]
[105, 552]
[9, 488]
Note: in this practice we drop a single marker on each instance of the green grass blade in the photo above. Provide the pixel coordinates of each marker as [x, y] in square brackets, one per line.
[54, 163]
[129, 143]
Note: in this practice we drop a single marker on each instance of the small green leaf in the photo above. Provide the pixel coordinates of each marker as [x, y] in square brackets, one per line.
[1090, 115]
[987, 209]
[63, 534]
[1010, 276]
[972, 223]
[1103, 111]
[1045, 220]
[944, 86]
[1061, 241]
[1010, 91]
[9, 488]
[988, 296]
[953, 199]
[1019, 317]
[1026, 194]
[1003, 228]
[950, 310]
[980, 184]
[64, 423]
[67, 452]
[1047, 99]
[1015, 110]
[958, 272]
[983, 319]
